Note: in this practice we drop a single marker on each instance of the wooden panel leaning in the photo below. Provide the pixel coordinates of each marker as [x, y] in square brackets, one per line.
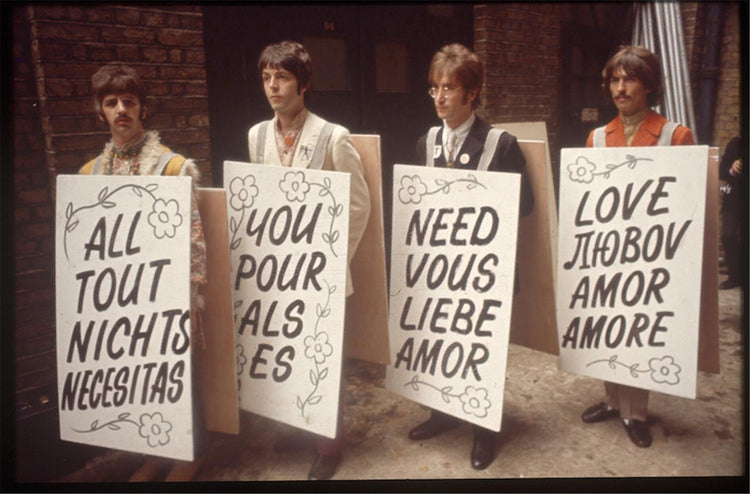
[366, 334]
[533, 322]
[216, 373]
[708, 335]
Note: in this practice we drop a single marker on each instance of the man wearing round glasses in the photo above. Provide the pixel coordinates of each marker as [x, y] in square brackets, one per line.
[466, 141]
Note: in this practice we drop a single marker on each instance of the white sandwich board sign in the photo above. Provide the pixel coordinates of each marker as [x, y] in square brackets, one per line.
[452, 276]
[123, 313]
[288, 231]
[629, 264]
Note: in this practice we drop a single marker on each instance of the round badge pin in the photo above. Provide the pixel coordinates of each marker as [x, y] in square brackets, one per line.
[464, 159]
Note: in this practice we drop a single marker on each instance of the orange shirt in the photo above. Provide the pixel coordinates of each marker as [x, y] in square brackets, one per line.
[647, 134]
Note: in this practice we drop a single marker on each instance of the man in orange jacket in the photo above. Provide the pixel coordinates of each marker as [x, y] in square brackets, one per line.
[633, 79]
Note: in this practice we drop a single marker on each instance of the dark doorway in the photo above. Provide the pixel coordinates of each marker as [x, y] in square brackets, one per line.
[369, 68]
[586, 43]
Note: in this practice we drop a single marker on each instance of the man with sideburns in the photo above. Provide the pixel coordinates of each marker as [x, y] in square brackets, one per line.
[632, 78]
[119, 97]
[298, 138]
[465, 141]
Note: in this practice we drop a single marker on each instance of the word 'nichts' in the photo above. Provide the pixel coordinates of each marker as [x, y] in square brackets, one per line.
[124, 337]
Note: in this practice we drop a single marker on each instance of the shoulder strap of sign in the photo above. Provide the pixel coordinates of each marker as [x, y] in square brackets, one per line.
[174, 165]
[96, 168]
[600, 139]
[667, 131]
[429, 146]
[319, 155]
[161, 165]
[260, 146]
[488, 151]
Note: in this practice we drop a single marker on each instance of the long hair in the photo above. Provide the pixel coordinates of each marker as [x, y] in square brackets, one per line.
[457, 60]
[291, 56]
[116, 78]
[637, 62]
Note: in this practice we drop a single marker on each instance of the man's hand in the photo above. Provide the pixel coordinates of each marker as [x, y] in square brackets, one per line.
[736, 168]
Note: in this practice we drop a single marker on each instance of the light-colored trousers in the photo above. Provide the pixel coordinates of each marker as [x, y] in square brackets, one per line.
[632, 402]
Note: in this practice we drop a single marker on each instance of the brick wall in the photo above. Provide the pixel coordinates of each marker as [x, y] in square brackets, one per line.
[56, 49]
[694, 28]
[33, 310]
[726, 117]
[165, 45]
[519, 44]
[728, 98]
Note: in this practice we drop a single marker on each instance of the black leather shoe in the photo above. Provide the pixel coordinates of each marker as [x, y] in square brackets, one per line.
[638, 432]
[324, 467]
[433, 426]
[483, 450]
[599, 413]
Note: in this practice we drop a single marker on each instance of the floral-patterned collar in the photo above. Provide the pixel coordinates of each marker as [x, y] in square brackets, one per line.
[286, 143]
[142, 163]
[129, 149]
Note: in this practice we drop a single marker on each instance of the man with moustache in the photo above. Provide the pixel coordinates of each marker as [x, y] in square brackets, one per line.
[465, 141]
[119, 97]
[633, 79]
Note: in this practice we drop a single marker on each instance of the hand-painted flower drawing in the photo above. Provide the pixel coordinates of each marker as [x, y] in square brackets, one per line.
[154, 428]
[582, 170]
[412, 189]
[664, 370]
[294, 186]
[243, 192]
[165, 217]
[239, 355]
[318, 348]
[475, 401]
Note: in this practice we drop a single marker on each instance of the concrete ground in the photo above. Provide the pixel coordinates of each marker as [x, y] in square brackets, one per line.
[696, 443]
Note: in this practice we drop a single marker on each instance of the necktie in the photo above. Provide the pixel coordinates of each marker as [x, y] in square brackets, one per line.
[450, 147]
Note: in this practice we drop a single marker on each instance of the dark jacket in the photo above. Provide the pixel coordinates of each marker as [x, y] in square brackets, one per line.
[737, 184]
[508, 158]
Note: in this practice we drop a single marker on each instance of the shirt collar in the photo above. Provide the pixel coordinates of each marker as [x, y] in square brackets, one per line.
[462, 130]
[652, 123]
[297, 123]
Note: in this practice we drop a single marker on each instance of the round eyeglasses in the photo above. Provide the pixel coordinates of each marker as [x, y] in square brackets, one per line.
[434, 91]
